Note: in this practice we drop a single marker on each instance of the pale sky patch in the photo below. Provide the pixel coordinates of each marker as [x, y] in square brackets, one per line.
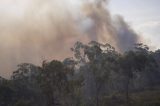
[142, 15]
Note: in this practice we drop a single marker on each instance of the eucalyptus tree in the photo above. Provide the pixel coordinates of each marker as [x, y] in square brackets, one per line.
[53, 82]
[96, 60]
[24, 82]
[134, 61]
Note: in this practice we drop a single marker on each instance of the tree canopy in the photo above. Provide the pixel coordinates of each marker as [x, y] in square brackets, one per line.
[96, 75]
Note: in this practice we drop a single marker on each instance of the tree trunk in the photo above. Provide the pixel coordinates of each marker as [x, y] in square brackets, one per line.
[127, 92]
[98, 87]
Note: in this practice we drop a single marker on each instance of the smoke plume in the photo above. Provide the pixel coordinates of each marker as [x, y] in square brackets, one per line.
[46, 29]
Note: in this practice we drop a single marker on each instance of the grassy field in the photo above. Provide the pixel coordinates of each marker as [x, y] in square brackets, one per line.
[143, 98]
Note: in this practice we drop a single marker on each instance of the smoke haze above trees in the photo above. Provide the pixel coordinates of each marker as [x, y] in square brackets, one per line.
[42, 28]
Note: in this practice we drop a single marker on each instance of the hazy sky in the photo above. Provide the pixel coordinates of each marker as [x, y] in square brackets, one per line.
[34, 30]
[142, 15]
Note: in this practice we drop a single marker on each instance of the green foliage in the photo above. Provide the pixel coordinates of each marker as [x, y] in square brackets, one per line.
[97, 75]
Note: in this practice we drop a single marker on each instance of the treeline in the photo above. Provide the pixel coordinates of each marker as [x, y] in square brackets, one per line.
[97, 75]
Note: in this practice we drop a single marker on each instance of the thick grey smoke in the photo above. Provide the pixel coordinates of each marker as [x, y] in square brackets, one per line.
[47, 29]
[105, 29]
[126, 37]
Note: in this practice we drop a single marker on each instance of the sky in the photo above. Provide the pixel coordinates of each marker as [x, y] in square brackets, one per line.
[142, 15]
[36, 30]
